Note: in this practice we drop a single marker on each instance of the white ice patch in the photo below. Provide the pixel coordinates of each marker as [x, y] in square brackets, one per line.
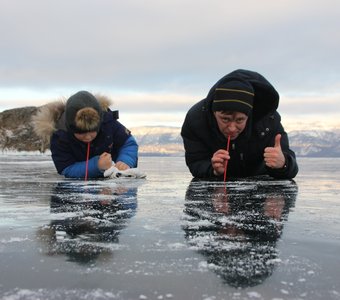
[177, 246]
[14, 240]
[98, 294]
[254, 295]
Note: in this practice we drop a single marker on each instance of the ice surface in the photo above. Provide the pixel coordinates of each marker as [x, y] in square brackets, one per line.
[167, 236]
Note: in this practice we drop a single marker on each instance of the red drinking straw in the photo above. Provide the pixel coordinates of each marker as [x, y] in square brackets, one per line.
[226, 163]
[87, 161]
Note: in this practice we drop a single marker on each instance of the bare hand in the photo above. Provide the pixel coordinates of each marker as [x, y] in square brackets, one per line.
[273, 156]
[121, 166]
[105, 161]
[219, 160]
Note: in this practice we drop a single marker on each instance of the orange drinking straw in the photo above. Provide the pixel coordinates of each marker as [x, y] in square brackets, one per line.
[226, 163]
[87, 161]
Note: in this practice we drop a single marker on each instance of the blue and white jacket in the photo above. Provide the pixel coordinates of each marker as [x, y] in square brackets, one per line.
[69, 154]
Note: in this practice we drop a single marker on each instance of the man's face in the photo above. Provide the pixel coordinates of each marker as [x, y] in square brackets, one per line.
[86, 137]
[231, 123]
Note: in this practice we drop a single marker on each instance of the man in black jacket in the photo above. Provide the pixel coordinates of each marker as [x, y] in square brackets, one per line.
[240, 107]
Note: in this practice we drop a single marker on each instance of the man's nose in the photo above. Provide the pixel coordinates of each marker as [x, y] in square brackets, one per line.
[232, 126]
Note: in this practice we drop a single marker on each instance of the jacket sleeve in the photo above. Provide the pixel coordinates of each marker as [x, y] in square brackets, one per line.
[128, 152]
[78, 169]
[289, 170]
[197, 159]
[197, 154]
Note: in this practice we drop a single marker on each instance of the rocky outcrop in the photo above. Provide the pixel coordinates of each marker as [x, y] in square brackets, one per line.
[16, 130]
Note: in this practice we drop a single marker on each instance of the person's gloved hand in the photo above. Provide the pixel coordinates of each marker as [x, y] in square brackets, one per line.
[113, 172]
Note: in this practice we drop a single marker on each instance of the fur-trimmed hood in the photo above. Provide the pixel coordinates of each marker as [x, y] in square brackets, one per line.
[50, 117]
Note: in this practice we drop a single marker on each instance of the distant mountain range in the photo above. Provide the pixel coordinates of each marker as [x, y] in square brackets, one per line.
[308, 143]
[315, 143]
[16, 134]
[159, 140]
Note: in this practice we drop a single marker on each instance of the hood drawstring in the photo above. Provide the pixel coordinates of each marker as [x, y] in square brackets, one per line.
[87, 160]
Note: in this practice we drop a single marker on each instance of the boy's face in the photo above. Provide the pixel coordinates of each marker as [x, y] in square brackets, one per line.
[86, 137]
[231, 123]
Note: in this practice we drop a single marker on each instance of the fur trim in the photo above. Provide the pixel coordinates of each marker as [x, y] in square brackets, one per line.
[45, 120]
[87, 119]
[104, 101]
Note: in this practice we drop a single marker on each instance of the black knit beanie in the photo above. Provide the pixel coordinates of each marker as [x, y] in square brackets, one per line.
[83, 113]
[234, 96]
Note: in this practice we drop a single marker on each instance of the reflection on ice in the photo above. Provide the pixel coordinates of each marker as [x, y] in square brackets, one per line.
[69, 239]
[87, 219]
[236, 228]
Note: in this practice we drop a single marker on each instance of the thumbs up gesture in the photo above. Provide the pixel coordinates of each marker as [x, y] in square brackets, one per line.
[273, 156]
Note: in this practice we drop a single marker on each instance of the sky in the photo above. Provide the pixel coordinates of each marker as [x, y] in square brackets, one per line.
[156, 58]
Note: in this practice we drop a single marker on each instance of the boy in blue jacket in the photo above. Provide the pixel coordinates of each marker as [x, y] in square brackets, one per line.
[85, 137]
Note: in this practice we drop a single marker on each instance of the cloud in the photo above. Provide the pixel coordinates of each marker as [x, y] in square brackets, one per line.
[310, 104]
[158, 102]
[143, 51]
[164, 45]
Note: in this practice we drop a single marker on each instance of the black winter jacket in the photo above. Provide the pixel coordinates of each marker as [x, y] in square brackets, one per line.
[202, 137]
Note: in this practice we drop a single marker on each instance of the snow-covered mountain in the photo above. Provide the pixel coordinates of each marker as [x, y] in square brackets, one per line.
[16, 134]
[167, 141]
[315, 143]
[159, 140]
[309, 143]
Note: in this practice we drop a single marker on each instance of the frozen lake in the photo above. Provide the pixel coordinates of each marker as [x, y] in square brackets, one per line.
[168, 237]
